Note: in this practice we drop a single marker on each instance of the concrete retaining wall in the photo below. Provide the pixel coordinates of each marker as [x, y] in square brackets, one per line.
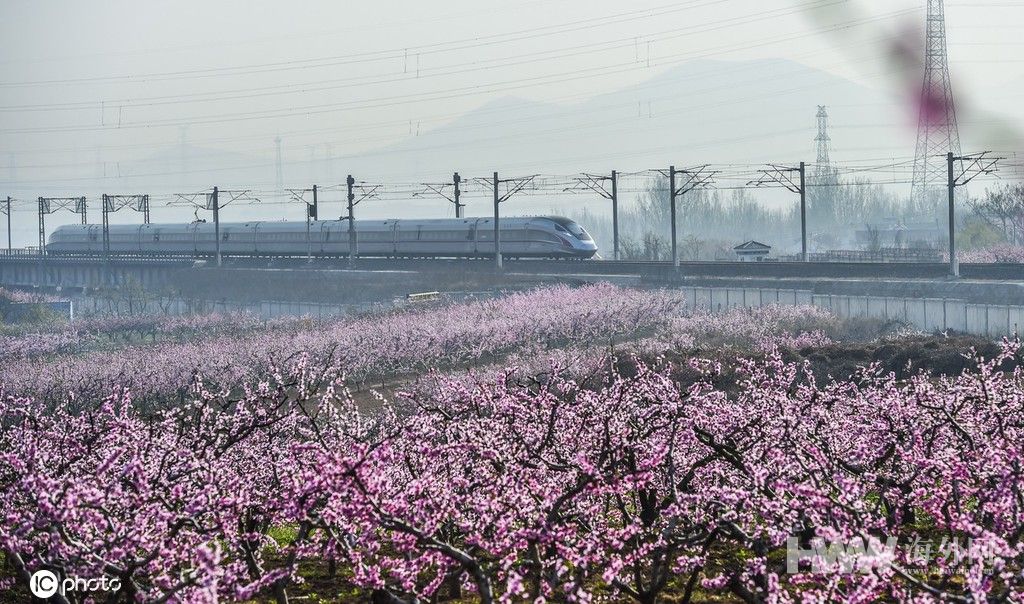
[926, 314]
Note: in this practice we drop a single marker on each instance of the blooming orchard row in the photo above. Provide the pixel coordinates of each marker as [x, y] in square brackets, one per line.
[21, 297]
[524, 487]
[997, 253]
[94, 333]
[382, 346]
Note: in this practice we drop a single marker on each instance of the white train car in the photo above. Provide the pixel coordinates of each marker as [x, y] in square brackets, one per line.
[537, 236]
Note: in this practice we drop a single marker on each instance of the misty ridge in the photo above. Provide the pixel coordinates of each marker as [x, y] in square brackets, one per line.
[700, 112]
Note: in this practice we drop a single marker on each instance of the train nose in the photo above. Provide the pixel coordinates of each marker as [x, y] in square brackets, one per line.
[586, 249]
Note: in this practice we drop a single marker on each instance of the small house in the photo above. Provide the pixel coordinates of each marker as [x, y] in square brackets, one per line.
[752, 251]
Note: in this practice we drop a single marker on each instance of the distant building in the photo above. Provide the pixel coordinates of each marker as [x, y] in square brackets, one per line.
[752, 251]
[896, 233]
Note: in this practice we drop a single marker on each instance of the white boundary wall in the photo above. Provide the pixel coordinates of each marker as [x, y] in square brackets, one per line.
[926, 314]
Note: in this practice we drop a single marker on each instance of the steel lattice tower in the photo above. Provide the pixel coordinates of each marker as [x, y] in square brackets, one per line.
[824, 173]
[937, 132]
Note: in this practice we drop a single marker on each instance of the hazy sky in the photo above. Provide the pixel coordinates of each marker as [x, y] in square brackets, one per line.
[87, 85]
[123, 78]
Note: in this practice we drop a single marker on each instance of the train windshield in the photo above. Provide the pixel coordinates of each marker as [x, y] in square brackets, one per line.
[564, 224]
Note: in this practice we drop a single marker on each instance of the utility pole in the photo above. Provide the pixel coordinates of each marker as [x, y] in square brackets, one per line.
[672, 210]
[215, 202]
[105, 209]
[8, 225]
[692, 178]
[782, 176]
[497, 233]
[212, 202]
[516, 185]
[113, 203]
[311, 212]
[311, 215]
[279, 174]
[954, 266]
[366, 191]
[803, 213]
[309, 241]
[49, 205]
[596, 183]
[973, 166]
[456, 179]
[106, 228]
[352, 252]
[615, 214]
[316, 207]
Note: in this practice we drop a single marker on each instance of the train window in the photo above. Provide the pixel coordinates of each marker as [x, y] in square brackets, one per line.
[578, 232]
[472, 233]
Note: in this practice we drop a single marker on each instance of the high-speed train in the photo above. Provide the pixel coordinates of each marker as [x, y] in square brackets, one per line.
[537, 236]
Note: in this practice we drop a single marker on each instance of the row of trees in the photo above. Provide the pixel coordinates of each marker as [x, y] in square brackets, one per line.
[1002, 209]
[711, 222]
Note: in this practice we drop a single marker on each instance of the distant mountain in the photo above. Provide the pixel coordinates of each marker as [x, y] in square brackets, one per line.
[188, 168]
[699, 112]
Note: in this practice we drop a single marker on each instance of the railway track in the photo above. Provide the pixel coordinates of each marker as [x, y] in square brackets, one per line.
[653, 270]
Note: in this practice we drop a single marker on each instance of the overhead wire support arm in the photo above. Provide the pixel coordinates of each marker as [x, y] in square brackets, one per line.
[311, 213]
[113, 203]
[777, 176]
[782, 176]
[6, 209]
[365, 191]
[972, 166]
[237, 195]
[312, 206]
[211, 201]
[597, 184]
[699, 177]
[441, 190]
[512, 186]
[49, 205]
[975, 165]
[215, 204]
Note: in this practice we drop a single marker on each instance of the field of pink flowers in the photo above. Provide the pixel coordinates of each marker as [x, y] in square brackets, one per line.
[233, 467]
[997, 253]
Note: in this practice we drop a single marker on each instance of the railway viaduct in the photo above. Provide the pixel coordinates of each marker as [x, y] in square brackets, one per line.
[982, 282]
[29, 270]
